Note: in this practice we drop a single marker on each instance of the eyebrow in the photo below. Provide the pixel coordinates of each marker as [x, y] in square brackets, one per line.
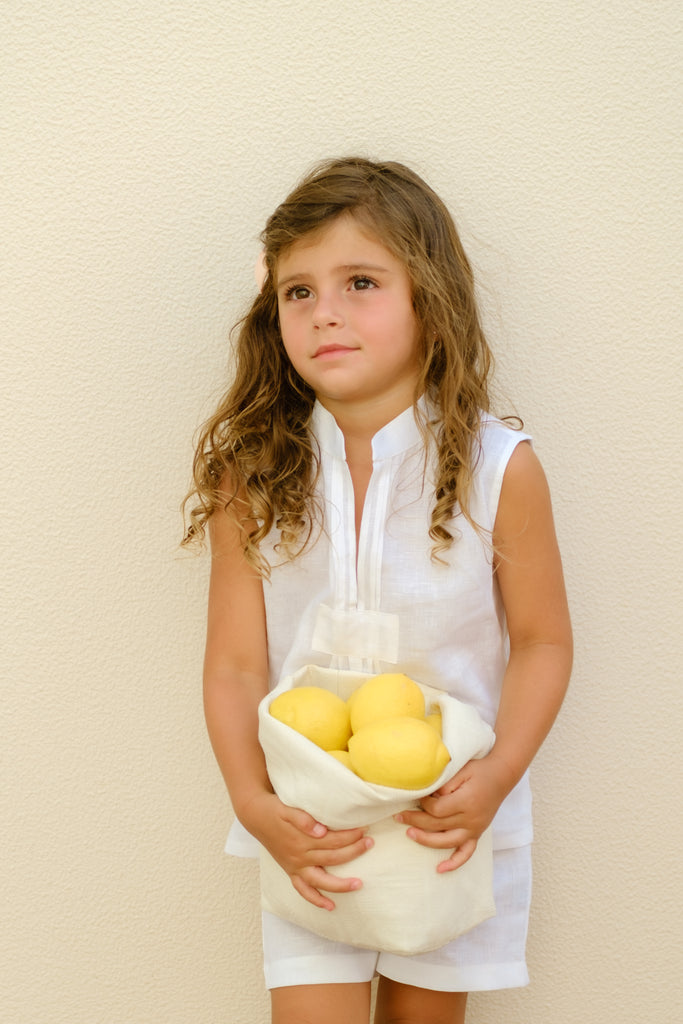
[348, 268]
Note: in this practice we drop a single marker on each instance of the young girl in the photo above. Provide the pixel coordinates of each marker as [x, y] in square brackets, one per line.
[367, 512]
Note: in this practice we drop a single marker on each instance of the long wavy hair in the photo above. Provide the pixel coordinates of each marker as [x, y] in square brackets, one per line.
[255, 456]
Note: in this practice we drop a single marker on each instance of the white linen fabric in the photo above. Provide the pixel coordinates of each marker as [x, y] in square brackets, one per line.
[488, 956]
[380, 603]
[405, 906]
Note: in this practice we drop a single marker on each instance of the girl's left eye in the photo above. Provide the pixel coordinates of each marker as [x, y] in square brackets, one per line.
[361, 284]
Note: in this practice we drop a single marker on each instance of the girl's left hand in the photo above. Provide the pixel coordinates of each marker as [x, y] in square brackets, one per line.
[454, 817]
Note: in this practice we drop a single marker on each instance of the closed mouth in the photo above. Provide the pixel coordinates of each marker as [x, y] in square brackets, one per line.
[332, 350]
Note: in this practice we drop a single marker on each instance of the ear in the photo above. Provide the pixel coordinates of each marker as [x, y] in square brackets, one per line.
[261, 270]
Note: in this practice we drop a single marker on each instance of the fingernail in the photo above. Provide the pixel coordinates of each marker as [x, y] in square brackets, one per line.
[319, 830]
[369, 842]
[356, 884]
[398, 818]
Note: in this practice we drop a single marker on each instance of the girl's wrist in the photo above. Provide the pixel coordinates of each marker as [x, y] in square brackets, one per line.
[249, 810]
[504, 769]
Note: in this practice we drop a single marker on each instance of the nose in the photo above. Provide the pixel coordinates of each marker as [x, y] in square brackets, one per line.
[327, 310]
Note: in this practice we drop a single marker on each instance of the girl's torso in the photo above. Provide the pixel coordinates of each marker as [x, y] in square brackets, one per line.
[373, 600]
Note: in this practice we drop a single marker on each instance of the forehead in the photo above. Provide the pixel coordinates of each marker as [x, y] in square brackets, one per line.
[343, 237]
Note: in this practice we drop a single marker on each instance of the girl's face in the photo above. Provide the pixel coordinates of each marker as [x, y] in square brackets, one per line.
[347, 319]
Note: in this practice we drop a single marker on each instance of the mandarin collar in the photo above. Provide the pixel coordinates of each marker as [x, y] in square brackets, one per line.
[398, 436]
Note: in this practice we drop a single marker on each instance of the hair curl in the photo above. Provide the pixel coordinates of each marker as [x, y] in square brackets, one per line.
[255, 455]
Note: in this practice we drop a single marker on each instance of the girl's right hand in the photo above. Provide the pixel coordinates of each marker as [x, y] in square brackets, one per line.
[305, 848]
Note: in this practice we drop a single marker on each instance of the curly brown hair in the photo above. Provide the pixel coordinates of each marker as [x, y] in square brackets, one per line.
[255, 455]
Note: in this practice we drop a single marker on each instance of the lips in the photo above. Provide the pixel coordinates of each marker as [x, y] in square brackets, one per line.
[332, 350]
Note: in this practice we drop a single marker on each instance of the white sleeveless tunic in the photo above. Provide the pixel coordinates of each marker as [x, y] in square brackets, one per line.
[396, 609]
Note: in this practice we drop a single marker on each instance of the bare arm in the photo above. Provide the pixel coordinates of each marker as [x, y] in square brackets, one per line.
[235, 680]
[532, 588]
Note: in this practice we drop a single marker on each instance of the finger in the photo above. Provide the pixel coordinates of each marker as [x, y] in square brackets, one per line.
[305, 822]
[448, 787]
[455, 781]
[460, 856]
[316, 879]
[341, 855]
[444, 803]
[334, 838]
[439, 840]
[310, 894]
[428, 822]
[337, 840]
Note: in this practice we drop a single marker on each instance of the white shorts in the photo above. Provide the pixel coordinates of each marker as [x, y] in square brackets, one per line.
[490, 956]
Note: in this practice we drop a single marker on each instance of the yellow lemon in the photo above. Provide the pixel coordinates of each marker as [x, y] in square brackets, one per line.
[402, 752]
[386, 696]
[343, 757]
[321, 716]
[434, 719]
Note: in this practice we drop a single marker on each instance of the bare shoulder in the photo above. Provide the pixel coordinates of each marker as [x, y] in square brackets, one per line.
[229, 523]
[523, 470]
[229, 527]
[528, 563]
[525, 495]
[236, 628]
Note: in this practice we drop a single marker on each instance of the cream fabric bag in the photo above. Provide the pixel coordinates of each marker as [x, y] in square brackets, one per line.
[405, 906]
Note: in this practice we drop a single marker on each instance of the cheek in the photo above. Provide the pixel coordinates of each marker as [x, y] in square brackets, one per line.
[291, 344]
[287, 330]
[400, 315]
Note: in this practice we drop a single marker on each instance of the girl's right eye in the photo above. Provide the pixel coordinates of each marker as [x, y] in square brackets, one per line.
[296, 292]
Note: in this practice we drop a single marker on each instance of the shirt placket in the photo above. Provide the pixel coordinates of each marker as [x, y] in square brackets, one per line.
[356, 576]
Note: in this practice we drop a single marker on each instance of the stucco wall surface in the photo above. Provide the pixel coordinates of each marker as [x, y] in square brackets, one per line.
[143, 146]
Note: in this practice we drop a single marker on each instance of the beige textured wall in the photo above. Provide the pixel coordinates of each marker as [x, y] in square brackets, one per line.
[144, 143]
